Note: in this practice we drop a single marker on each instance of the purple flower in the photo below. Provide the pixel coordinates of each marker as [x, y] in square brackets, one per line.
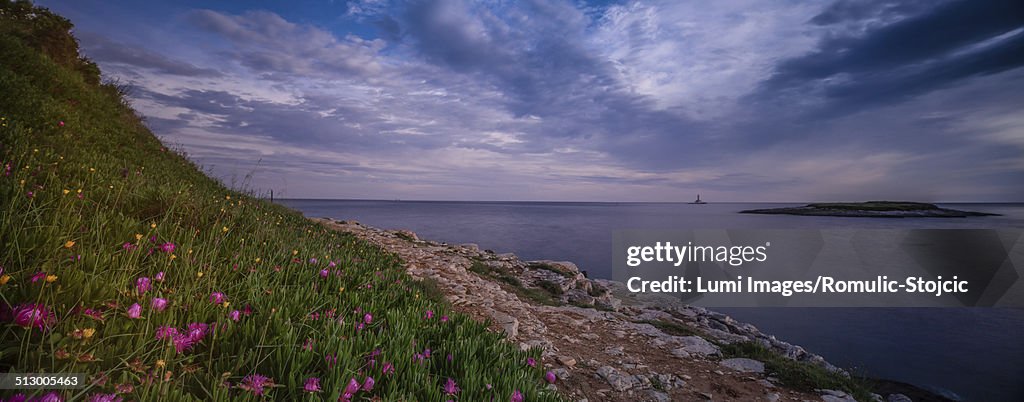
[167, 247]
[368, 384]
[216, 297]
[18, 398]
[142, 285]
[34, 315]
[331, 264]
[531, 362]
[38, 276]
[129, 247]
[182, 343]
[450, 387]
[368, 318]
[235, 315]
[430, 314]
[516, 396]
[159, 276]
[159, 304]
[387, 368]
[166, 331]
[312, 385]
[255, 383]
[325, 273]
[444, 318]
[135, 311]
[352, 387]
[52, 396]
[550, 377]
[312, 260]
[197, 330]
[105, 398]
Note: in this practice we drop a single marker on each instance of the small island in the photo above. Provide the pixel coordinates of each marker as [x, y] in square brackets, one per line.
[871, 209]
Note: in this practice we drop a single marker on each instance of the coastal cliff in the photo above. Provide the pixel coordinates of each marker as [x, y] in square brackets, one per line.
[604, 343]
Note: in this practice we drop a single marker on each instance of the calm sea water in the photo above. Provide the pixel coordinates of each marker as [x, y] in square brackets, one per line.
[970, 353]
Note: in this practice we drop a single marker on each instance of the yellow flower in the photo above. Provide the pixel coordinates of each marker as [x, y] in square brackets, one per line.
[88, 332]
[79, 191]
[199, 274]
[257, 259]
[224, 229]
[69, 244]
[341, 289]
[161, 363]
[173, 256]
[4, 279]
[92, 169]
[66, 191]
[295, 252]
[51, 278]
[152, 225]
[190, 251]
[138, 236]
[226, 304]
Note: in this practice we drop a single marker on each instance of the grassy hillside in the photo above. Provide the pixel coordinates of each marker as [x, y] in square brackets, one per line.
[121, 260]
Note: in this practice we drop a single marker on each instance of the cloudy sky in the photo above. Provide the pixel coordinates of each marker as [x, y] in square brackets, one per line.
[737, 100]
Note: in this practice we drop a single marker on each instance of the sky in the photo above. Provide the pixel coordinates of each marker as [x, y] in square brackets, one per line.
[559, 100]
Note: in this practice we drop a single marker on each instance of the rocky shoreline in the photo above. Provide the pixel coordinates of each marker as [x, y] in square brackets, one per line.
[871, 209]
[602, 342]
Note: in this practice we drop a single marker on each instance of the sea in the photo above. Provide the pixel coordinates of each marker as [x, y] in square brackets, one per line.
[971, 354]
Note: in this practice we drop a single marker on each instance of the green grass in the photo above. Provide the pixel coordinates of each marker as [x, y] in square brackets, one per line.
[548, 267]
[798, 375]
[80, 203]
[546, 294]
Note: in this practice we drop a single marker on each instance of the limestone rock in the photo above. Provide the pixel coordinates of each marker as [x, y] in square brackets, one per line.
[744, 365]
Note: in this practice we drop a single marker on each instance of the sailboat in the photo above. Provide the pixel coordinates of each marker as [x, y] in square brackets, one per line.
[698, 201]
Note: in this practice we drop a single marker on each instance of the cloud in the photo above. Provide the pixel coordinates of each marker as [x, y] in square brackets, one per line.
[110, 52]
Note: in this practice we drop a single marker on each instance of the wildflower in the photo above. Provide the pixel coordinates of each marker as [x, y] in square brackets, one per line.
[324, 273]
[4, 279]
[105, 398]
[550, 377]
[124, 388]
[368, 318]
[88, 333]
[312, 260]
[69, 244]
[308, 344]
[224, 229]
[94, 314]
[516, 396]
[128, 246]
[30, 194]
[166, 331]
[312, 385]
[331, 264]
[255, 383]
[38, 276]
[152, 225]
[60, 123]
[199, 274]
[34, 315]
[352, 387]
[430, 314]
[449, 358]
[142, 285]
[450, 387]
[216, 298]
[66, 191]
[444, 318]
[368, 384]
[531, 362]
[159, 304]
[167, 247]
[331, 360]
[387, 368]
[135, 311]
[161, 363]
[235, 315]
[159, 276]
[51, 278]
[138, 236]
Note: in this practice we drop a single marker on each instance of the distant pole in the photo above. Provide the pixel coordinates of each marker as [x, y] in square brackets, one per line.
[271, 195]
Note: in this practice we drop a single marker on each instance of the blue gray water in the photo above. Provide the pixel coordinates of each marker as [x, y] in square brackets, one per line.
[974, 354]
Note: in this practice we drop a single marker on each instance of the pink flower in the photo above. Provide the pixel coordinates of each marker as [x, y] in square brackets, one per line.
[324, 273]
[430, 314]
[38, 276]
[531, 362]
[142, 285]
[387, 368]
[166, 331]
[235, 315]
[352, 387]
[105, 398]
[34, 315]
[368, 318]
[312, 260]
[331, 264]
[516, 396]
[444, 318]
[159, 276]
[135, 311]
[216, 297]
[159, 304]
[60, 123]
[368, 384]
[167, 247]
[312, 385]
[550, 377]
[255, 383]
[128, 246]
[450, 387]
